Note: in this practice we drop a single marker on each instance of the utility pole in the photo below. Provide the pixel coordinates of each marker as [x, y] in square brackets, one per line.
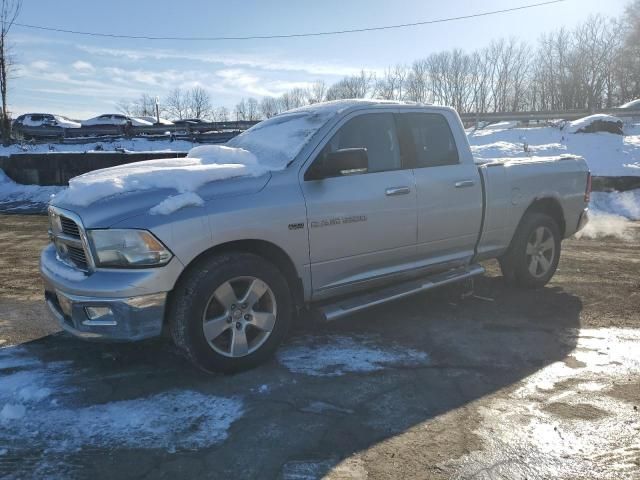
[157, 111]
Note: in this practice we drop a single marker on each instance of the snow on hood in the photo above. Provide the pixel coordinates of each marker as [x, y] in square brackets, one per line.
[573, 127]
[202, 165]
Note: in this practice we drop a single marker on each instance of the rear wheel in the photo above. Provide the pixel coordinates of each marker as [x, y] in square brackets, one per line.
[231, 312]
[532, 258]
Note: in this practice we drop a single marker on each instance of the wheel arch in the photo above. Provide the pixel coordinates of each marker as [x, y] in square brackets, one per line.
[267, 250]
[549, 206]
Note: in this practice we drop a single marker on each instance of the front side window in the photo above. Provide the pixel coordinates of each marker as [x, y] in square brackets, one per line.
[428, 139]
[376, 133]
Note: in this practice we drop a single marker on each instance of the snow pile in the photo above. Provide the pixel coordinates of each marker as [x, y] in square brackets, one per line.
[606, 154]
[214, 162]
[176, 202]
[335, 355]
[25, 195]
[592, 121]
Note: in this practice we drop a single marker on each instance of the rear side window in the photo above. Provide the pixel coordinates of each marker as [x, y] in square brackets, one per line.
[428, 139]
[374, 132]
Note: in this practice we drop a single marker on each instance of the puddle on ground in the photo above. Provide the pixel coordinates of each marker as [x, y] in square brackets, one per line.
[564, 421]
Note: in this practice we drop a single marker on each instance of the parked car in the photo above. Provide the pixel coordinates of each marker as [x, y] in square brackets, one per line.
[632, 105]
[115, 119]
[189, 122]
[154, 120]
[33, 125]
[342, 206]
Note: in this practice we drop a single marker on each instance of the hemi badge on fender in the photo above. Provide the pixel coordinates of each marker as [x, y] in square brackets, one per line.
[296, 226]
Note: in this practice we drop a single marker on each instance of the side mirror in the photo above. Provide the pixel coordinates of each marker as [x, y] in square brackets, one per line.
[347, 161]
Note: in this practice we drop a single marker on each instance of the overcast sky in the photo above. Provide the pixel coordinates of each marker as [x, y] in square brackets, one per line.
[83, 76]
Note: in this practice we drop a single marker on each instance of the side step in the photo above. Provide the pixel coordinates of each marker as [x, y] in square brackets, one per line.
[349, 305]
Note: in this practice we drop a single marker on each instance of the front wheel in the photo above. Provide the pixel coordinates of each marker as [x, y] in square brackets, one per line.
[230, 312]
[533, 256]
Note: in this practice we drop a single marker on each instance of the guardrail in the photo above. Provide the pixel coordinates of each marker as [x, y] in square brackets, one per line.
[219, 132]
[204, 131]
[540, 116]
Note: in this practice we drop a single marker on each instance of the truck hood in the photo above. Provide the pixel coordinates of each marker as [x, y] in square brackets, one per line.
[106, 212]
[107, 196]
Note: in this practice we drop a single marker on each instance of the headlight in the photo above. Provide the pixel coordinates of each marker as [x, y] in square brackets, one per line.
[127, 248]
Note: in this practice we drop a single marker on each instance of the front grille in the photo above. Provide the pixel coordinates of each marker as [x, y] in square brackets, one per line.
[69, 227]
[77, 256]
[67, 236]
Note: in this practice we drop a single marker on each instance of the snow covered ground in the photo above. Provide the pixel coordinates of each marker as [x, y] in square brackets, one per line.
[607, 154]
[130, 145]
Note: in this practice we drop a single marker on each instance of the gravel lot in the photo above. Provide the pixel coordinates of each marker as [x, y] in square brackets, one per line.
[504, 384]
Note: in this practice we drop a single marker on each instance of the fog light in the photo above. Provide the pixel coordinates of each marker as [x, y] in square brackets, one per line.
[95, 313]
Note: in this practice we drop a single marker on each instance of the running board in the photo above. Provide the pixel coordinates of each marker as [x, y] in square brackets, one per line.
[347, 306]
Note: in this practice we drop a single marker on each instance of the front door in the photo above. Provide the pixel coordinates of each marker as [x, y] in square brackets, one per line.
[362, 226]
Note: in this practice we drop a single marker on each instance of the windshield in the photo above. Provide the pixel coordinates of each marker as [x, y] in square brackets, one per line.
[277, 141]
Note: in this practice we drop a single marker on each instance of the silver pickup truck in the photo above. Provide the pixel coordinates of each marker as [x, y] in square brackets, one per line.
[346, 205]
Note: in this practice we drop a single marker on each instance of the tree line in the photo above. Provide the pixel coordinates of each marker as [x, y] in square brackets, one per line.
[595, 65]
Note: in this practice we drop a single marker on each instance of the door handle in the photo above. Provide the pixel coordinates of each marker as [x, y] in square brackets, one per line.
[465, 183]
[393, 191]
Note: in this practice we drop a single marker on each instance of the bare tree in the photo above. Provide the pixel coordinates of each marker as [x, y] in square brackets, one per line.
[317, 92]
[241, 110]
[594, 43]
[9, 11]
[221, 114]
[392, 84]
[198, 103]
[417, 82]
[355, 86]
[269, 107]
[252, 111]
[294, 98]
[143, 106]
[176, 104]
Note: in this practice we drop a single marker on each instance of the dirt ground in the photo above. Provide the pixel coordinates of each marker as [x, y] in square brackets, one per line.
[503, 384]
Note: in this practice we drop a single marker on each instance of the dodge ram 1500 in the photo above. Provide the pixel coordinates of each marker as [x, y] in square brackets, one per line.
[336, 207]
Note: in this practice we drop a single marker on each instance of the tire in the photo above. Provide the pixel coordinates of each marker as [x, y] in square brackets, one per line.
[230, 312]
[532, 258]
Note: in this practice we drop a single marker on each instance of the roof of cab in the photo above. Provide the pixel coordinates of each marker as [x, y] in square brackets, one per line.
[344, 106]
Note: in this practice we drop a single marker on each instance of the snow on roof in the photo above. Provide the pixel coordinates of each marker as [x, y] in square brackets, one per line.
[203, 164]
[573, 127]
[278, 140]
[632, 103]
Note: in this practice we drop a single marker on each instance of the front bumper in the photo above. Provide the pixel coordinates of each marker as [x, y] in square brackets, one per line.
[109, 304]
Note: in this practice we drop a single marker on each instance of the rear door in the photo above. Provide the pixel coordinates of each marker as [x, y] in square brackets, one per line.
[449, 193]
[362, 227]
